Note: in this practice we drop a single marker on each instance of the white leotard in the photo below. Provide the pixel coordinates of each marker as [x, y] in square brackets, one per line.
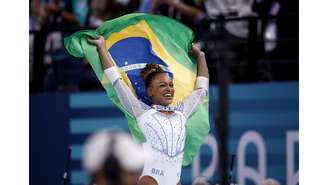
[165, 134]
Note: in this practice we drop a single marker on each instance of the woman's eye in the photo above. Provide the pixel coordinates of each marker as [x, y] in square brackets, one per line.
[171, 85]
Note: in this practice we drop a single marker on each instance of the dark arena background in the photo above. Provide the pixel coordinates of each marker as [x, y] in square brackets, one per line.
[252, 53]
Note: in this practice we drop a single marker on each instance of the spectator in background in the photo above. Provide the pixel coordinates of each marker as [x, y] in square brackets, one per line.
[51, 14]
[59, 14]
[103, 10]
[57, 71]
[113, 158]
[98, 12]
[268, 26]
[189, 12]
[61, 69]
[228, 37]
[51, 68]
[194, 13]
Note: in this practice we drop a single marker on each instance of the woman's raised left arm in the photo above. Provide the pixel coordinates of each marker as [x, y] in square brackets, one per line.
[190, 104]
[202, 69]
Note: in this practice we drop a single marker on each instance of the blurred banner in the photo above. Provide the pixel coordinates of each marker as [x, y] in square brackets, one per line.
[263, 134]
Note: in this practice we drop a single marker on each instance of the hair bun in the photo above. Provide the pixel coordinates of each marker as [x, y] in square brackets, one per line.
[150, 69]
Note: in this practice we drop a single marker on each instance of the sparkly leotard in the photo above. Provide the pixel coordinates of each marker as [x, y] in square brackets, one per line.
[165, 134]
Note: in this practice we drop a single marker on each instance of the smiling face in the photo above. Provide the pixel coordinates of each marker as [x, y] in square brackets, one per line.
[161, 89]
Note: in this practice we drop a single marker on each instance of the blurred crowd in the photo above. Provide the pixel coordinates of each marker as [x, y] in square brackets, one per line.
[246, 45]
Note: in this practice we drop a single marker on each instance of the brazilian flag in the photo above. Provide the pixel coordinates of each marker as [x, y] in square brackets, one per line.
[133, 41]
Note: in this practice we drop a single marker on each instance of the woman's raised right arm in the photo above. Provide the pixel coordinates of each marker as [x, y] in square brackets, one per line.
[126, 97]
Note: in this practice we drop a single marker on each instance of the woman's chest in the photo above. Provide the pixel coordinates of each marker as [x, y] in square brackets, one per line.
[161, 125]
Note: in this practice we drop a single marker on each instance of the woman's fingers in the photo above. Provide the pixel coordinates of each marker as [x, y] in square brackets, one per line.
[196, 46]
[93, 41]
[196, 50]
[97, 41]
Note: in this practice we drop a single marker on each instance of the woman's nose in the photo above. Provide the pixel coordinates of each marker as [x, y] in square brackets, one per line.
[169, 88]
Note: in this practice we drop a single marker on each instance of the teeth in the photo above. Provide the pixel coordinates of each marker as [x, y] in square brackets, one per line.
[168, 95]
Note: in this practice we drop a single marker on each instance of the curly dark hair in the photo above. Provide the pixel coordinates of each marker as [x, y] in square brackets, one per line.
[149, 72]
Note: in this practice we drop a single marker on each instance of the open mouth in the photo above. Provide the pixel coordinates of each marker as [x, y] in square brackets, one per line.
[168, 95]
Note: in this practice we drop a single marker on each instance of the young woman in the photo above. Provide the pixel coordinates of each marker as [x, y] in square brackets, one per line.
[162, 125]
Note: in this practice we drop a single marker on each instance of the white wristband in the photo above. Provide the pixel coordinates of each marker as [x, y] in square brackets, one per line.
[202, 82]
[112, 74]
